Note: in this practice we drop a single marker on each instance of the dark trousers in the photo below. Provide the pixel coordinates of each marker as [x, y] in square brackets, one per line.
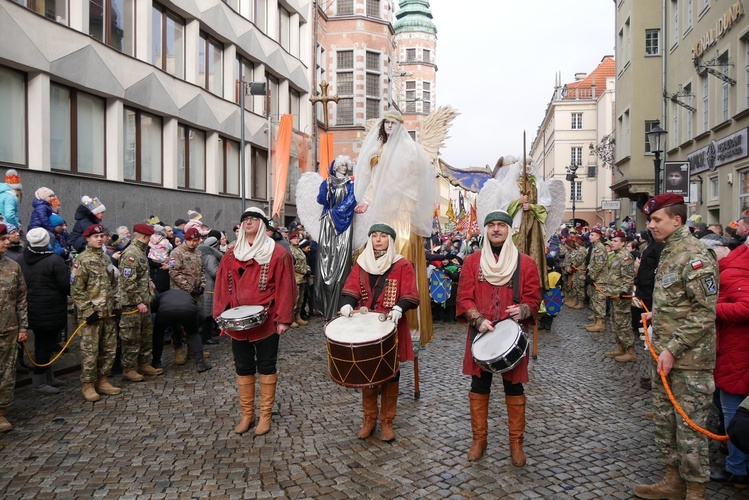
[255, 357]
[483, 385]
[44, 343]
[176, 320]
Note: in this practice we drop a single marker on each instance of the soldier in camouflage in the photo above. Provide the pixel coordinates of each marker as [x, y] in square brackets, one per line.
[596, 267]
[683, 320]
[134, 293]
[577, 266]
[186, 273]
[617, 282]
[93, 288]
[14, 322]
[301, 271]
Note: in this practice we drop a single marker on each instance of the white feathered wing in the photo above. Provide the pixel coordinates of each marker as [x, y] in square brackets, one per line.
[555, 211]
[307, 208]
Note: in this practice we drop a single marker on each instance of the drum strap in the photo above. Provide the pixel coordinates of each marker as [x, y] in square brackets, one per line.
[379, 286]
[516, 283]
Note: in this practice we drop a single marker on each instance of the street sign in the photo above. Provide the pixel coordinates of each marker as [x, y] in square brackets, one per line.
[611, 205]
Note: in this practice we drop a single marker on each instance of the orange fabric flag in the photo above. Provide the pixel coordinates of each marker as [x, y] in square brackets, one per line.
[326, 153]
[281, 159]
[301, 144]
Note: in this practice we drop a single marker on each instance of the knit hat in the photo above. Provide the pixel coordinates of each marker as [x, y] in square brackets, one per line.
[38, 237]
[11, 227]
[215, 233]
[179, 222]
[211, 241]
[194, 215]
[159, 229]
[382, 228]
[43, 192]
[13, 179]
[56, 220]
[93, 204]
[498, 215]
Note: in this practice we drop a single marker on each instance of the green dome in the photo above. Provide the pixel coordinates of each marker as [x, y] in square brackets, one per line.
[414, 15]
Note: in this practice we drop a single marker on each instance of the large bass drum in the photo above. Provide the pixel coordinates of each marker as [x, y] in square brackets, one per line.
[500, 350]
[362, 350]
[242, 318]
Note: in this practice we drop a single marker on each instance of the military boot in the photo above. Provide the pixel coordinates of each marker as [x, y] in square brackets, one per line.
[104, 387]
[628, 357]
[618, 351]
[598, 326]
[147, 369]
[696, 491]
[578, 305]
[369, 405]
[89, 393]
[132, 375]
[672, 486]
[5, 426]
[479, 404]
[592, 319]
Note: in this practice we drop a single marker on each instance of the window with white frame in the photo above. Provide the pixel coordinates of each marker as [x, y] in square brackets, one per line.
[228, 172]
[576, 155]
[320, 110]
[259, 173]
[426, 55]
[261, 15]
[426, 97]
[142, 141]
[345, 87]
[77, 131]
[13, 125]
[274, 86]
[704, 4]
[620, 48]
[652, 42]
[411, 96]
[410, 55]
[689, 15]
[577, 121]
[675, 127]
[295, 106]
[688, 98]
[373, 85]
[345, 8]
[705, 101]
[168, 43]
[284, 28]
[210, 64]
[373, 8]
[244, 70]
[743, 191]
[675, 21]
[56, 10]
[112, 22]
[576, 191]
[725, 87]
[190, 158]
[649, 124]
[628, 44]
[713, 190]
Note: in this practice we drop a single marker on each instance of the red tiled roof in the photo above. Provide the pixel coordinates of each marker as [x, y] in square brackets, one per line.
[606, 69]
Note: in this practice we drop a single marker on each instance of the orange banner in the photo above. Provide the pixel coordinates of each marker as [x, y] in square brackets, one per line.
[301, 145]
[281, 159]
[326, 153]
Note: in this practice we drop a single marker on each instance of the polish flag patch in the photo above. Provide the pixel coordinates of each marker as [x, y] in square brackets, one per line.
[697, 264]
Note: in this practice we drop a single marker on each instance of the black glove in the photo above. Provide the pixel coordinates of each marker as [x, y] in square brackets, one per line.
[117, 313]
[622, 295]
[93, 318]
[588, 280]
[198, 291]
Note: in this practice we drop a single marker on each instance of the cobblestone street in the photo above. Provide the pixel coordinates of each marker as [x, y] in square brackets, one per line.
[172, 436]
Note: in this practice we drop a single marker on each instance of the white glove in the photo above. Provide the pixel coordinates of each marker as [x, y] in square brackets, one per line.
[396, 313]
[346, 310]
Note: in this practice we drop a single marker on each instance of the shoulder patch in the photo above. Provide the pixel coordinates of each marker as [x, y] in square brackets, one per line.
[131, 259]
[708, 284]
[127, 272]
[697, 264]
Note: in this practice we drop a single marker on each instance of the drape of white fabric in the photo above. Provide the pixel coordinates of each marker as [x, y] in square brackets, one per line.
[510, 190]
[374, 265]
[498, 271]
[401, 188]
[261, 249]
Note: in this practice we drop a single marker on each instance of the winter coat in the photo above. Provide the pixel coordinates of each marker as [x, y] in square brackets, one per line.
[211, 259]
[9, 204]
[83, 218]
[48, 287]
[40, 216]
[732, 323]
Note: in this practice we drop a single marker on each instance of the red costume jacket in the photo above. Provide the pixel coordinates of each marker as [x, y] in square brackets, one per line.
[491, 301]
[272, 285]
[732, 323]
[400, 284]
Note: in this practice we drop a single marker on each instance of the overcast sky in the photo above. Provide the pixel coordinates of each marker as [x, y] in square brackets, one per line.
[497, 63]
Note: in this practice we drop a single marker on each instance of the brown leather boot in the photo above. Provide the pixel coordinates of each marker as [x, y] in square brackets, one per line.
[672, 486]
[516, 423]
[578, 305]
[267, 399]
[5, 426]
[179, 356]
[696, 491]
[479, 424]
[628, 357]
[132, 375]
[592, 319]
[387, 412]
[299, 321]
[246, 384]
[147, 369]
[104, 387]
[598, 326]
[369, 404]
[89, 393]
[618, 351]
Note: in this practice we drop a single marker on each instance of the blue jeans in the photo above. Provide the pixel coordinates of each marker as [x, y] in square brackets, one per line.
[736, 461]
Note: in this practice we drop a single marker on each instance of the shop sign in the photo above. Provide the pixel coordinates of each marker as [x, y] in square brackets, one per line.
[719, 152]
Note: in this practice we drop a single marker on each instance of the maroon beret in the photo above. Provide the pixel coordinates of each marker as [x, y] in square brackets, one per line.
[294, 234]
[596, 230]
[192, 234]
[144, 229]
[662, 201]
[93, 229]
[619, 234]
[3, 229]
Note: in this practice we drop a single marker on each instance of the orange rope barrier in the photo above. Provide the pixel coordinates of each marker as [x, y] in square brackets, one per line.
[671, 396]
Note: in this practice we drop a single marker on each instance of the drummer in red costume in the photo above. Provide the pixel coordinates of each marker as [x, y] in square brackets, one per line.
[485, 296]
[256, 272]
[383, 281]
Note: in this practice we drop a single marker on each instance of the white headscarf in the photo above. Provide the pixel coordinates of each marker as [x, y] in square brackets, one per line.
[374, 265]
[499, 271]
[261, 249]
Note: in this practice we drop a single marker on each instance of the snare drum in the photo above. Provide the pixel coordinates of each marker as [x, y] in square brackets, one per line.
[242, 318]
[362, 350]
[500, 350]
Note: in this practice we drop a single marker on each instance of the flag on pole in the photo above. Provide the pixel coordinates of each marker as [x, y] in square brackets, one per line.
[473, 223]
[450, 212]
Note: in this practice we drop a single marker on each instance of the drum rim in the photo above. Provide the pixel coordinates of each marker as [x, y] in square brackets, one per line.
[262, 310]
[393, 328]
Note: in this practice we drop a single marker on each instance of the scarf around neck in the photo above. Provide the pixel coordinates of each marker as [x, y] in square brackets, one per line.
[261, 249]
[374, 265]
[498, 271]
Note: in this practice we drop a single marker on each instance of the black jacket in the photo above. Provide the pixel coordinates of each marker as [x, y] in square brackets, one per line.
[645, 279]
[47, 288]
[83, 218]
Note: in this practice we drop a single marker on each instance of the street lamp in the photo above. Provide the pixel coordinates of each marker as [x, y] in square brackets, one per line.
[571, 176]
[655, 137]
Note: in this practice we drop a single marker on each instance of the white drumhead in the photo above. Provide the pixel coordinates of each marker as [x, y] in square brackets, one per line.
[241, 312]
[359, 328]
[492, 345]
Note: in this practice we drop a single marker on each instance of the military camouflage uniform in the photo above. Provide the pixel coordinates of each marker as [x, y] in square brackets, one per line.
[13, 317]
[596, 270]
[300, 271]
[577, 266]
[686, 290]
[186, 269]
[618, 280]
[134, 287]
[94, 288]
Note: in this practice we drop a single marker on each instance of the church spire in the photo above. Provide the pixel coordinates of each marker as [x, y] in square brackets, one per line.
[414, 15]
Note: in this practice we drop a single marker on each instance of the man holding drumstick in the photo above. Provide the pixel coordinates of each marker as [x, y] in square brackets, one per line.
[383, 281]
[496, 284]
[256, 272]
